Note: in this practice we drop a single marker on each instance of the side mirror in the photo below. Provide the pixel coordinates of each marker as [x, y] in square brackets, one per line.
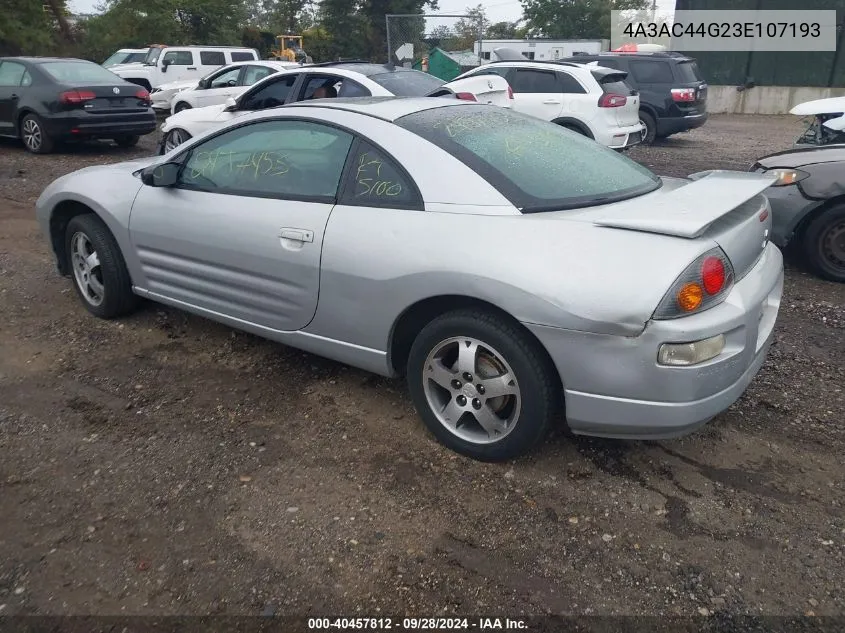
[165, 175]
[231, 104]
[203, 84]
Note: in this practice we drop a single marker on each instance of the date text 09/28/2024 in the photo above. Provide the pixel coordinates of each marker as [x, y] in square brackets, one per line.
[416, 624]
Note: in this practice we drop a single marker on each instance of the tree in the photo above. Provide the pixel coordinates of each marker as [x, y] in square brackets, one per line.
[574, 19]
[411, 30]
[285, 16]
[468, 29]
[505, 31]
[26, 28]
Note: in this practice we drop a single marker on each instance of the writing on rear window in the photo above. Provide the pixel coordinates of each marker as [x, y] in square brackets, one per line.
[368, 178]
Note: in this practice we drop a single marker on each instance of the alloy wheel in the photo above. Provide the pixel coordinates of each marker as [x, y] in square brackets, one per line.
[87, 270]
[174, 139]
[471, 390]
[31, 133]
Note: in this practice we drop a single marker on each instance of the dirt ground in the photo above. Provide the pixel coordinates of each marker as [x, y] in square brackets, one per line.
[164, 464]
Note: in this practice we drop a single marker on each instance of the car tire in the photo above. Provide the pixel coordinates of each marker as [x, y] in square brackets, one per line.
[650, 127]
[824, 243]
[103, 285]
[181, 106]
[33, 135]
[574, 128]
[440, 390]
[173, 139]
[127, 141]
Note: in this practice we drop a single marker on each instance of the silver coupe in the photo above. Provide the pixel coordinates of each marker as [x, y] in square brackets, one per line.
[509, 268]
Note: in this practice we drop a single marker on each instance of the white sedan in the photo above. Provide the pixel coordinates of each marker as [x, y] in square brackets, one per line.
[331, 79]
[216, 87]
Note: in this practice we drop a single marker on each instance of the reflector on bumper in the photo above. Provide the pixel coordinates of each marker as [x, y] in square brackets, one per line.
[685, 354]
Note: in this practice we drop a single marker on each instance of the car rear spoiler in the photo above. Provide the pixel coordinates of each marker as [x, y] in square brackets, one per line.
[688, 210]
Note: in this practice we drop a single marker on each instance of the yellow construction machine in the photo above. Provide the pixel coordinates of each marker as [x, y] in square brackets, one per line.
[289, 48]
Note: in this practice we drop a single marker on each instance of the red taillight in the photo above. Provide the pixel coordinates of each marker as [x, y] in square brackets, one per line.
[466, 96]
[143, 95]
[76, 96]
[683, 95]
[611, 100]
[713, 275]
[510, 92]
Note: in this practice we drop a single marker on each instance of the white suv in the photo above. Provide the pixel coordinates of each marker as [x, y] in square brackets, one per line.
[167, 64]
[588, 99]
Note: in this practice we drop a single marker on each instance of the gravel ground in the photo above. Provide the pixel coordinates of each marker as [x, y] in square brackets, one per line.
[164, 464]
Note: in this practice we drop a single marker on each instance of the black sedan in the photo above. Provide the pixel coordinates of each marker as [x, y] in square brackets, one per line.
[808, 205]
[48, 100]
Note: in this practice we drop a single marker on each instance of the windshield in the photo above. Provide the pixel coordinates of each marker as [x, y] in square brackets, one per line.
[407, 83]
[79, 73]
[689, 72]
[124, 58]
[538, 166]
[152, 56]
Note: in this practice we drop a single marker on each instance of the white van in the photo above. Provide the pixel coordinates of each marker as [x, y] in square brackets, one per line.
[166, 64]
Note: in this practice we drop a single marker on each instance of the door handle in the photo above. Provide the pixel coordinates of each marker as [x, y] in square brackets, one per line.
[296, 235]
[551, 102]
[192, 67]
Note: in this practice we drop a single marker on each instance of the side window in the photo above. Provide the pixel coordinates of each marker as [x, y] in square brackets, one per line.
[320, 87]
[212, 58]
[569, 84]
[502, 71]
[535, 81]
[270, 94]
[349, 88]
[651, 72]
[226, 79]
[242, 56]
[288, 159]
[178, 58]
[376, 180]
[26, 80]
[609, 63]
[253, 74]
[11, 74]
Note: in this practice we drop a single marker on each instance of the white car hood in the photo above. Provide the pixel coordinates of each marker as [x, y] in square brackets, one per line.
[179, 85]
[185, 117]
[831, 105]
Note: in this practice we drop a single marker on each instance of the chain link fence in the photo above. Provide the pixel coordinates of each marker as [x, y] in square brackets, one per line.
[443, 45]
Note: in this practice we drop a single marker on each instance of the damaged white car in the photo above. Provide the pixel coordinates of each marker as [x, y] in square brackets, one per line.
[826, 124]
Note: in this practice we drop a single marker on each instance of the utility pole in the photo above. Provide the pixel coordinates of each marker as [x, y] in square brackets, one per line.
[653, 10]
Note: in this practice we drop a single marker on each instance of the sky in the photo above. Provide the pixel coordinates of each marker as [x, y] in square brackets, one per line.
[497, 10]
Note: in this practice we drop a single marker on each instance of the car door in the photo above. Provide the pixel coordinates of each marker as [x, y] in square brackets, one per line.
[241, 232]
[220, 87]
[180, 65]
[12, 75]
[575, 98]
[537, 92]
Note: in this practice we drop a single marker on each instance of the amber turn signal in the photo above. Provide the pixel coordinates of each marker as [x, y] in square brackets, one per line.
[690, 296]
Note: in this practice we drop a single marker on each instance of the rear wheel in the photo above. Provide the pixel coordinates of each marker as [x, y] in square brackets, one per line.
[174, 138]
[99, 270]
[181, 106]
[574, 128]
[824, 244]
[650, 132]
[482, 385]
[127, 141]
[34, 137]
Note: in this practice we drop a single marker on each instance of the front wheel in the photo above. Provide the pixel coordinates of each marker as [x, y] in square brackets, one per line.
[181, 106]
[99, 270]
[482, 385]
[824, 244]
[174, 138]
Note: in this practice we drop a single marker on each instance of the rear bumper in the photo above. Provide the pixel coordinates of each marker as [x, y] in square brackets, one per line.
[72, 125]
[673, 125]
[614, 386]
[624, 137]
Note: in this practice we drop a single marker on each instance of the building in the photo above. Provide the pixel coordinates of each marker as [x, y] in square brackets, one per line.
[542, 49]
[447, 64]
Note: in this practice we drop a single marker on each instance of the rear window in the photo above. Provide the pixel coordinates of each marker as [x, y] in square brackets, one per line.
[242, 57]
[537, 165]
[79, 73]
[688, 72]
[407, 83]
[613, 83]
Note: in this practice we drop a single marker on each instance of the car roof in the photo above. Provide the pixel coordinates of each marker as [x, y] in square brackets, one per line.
[364, 68]
[41, 60]
[640, 55]
[385, 108]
